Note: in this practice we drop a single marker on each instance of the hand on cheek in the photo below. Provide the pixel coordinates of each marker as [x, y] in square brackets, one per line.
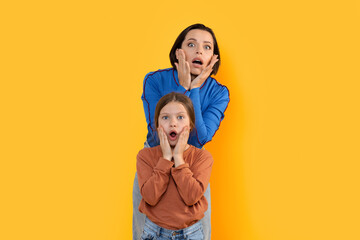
[181, 146]
[164, 144]
[183, 68]
[205, 73]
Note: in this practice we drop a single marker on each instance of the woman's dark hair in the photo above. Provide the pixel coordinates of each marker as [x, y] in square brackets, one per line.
[178, 42]
[176, 97]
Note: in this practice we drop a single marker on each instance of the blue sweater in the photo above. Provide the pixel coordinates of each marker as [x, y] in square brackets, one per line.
[210, 102]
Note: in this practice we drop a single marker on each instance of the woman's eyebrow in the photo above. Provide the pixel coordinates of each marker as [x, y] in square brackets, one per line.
[193, 39]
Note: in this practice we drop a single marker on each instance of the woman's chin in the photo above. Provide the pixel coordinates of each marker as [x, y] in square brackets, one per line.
[195, 72]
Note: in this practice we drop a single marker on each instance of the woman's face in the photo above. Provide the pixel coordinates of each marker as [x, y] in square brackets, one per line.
[198, 46]
[173, 118]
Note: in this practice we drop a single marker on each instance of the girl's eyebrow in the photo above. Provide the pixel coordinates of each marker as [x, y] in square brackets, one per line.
[193, 39]
[174, 113]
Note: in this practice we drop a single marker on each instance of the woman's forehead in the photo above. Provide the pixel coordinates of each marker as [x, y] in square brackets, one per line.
[199, 35]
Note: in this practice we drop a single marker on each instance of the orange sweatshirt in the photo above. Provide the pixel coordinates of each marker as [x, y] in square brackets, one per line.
[173, 198]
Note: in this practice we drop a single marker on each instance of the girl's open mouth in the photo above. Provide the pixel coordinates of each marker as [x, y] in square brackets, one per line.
[173, 135]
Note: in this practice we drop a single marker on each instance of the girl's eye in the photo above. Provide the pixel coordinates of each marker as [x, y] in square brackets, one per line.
[207, 47]
[180, 117]
[165, 117]
[191, 45]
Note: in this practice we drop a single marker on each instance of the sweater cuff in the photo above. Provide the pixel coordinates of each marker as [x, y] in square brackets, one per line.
[164, 165]
[179, 168]
[195, 91]
[181, 89]
[194, 95]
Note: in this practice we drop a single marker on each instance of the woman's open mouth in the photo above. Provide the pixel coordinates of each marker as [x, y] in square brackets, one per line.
[197, 62]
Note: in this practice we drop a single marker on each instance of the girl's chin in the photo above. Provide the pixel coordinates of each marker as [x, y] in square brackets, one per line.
[172, 144]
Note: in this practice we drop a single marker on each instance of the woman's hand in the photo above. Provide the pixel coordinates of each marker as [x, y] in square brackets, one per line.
[164, 143]
[181, 146]
[205, 73]
[183, 68]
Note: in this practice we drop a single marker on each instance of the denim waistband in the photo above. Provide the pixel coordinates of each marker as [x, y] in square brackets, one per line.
[169, 233]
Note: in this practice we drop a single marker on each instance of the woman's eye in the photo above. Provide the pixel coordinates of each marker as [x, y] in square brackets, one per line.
[207, 47]
[191, 45]
[165, 117]
[180, 117]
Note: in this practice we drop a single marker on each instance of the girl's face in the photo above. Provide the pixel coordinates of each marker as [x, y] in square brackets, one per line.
[173, 118]
[198, 46]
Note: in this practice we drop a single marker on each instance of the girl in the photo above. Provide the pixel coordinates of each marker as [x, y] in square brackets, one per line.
[173, 177]
[195, 56]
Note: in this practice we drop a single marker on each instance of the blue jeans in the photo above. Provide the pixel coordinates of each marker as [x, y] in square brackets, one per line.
[139, 218]
[155, 232]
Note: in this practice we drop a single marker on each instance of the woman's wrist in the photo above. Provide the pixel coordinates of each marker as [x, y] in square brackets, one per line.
[193, 87]
[186, 86]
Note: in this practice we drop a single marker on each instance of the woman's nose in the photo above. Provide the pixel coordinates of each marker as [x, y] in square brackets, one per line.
[199, 50]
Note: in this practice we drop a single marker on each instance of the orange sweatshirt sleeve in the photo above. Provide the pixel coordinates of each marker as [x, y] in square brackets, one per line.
[192, 182]
[153, 179]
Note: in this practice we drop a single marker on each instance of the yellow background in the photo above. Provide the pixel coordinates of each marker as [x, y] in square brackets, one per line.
[286, 155]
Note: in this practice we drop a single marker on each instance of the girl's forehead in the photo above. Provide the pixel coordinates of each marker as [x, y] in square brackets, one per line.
[199, 35]
[173, 107]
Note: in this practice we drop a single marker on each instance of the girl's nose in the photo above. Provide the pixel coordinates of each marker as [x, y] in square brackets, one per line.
[173, 122]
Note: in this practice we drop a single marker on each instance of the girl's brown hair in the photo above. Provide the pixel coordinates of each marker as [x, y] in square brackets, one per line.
[175, 97]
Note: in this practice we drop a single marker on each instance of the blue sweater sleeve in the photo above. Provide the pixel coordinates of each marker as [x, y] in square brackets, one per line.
[155, 86]
[207, 121]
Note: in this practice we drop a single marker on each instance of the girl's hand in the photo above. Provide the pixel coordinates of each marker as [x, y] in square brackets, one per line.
[164, 143]
[181, 146]
[183, 68]
[204, 74]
